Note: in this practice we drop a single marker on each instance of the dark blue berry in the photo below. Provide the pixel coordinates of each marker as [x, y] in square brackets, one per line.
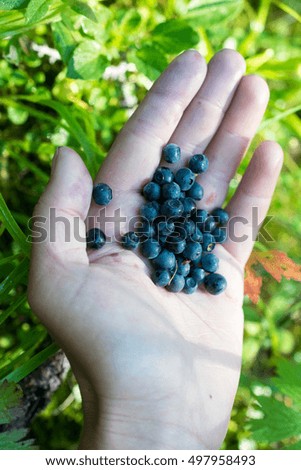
[189, 205]
[171, 191]
[210, 224]
[215, 283]
[222, 217]
[199, 217]
[197, 261]
[150, 248]
[208, 242]
[165, 260]
[171, 153]
[152, 191]
[191, 285]
[95, 238]
[196, 191]
[163, 175]
[176, 244]
[185, 228]
[102, 194]
[130, 241]
[183, 266]
[150, 210]
[196, 236]
[185, 178]
[198, 163]
[210, 262]
[172, 208]
[177, 283]
[164, 227]
[146, 229]
[220, 234]
[198, 274]
[161, 277]
[192, 250]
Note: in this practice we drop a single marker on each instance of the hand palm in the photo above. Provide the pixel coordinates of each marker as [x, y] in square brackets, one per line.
[173, 359]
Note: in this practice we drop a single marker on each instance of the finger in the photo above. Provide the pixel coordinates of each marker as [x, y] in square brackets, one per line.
[62, 210]
[205, 113]
[251, 201]
[233, 137]
[136, 152]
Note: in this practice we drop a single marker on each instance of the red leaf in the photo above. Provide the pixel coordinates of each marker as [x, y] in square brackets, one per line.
[276, 263]
[253, 282]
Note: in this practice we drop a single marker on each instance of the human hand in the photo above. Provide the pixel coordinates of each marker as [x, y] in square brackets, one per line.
[157, 370]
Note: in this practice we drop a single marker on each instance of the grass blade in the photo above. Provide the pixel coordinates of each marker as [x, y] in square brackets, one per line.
[12, 227]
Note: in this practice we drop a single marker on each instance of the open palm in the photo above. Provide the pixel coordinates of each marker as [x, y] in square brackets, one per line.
[156, 369]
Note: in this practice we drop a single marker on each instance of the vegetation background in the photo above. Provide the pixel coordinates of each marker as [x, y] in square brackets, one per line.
[71, 73]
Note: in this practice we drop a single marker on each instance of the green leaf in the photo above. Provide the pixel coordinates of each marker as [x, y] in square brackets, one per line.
[174, 36]
[36, 10]
[279, 421]
[17, 275]
[289, 380]
[12, 4]
[10, 396]
[33, 363]
[6, 313]
[82, 9]
[88, 62]
[148, 60]
[295, 446]
[12, 227]
[63, 40]
[12, 440]
[208, 13]
[10, 409]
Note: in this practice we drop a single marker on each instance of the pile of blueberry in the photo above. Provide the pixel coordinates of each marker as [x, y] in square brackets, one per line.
[174, 234]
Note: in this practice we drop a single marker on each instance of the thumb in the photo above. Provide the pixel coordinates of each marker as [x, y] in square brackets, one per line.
[58, 235]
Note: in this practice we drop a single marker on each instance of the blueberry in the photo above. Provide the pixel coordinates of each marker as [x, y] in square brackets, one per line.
[171, 153]
[198, 274]
[196, 262]
[163, 175]
[152, 191]
[199, 163]
[161, 277]
[191, 285]
[172, 208]
[150, 210]
[130, 241]
[146, 229]
[215, 283]
[176, 244]
[165, 260]
[102, 194]
[196, 191]
[185, 178]
[220, 234]
[183, 266]
[208, 242]
[150, 248]
[192, 250]
[171, 191]
[164, 227]
[210, 262]
[177, 283]
[210, 224]
[199, 217]
[95, 238]
[222, 217]
[189, 205]
[196, 236]
[185, 228]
